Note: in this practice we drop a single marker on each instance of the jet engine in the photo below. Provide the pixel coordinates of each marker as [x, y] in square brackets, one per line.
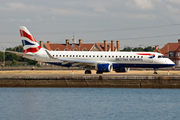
[104, 68]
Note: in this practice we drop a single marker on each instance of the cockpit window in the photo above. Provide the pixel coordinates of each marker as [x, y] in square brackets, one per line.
[161, 56]
[164, 56]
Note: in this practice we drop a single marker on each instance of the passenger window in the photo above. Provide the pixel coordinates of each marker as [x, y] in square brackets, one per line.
[56, 55]
[89, 55]
[97, 55]
[79, 55]
[109, 56]
[66, 55]
[93, 55]
[127, 56]
[123, 56]
[101, 56]
[105, 56]
[59, 55]
[53, 55]
[86, 55]
[116, 56]
[82, 55]
[73, 55]
[70, 55]
[63, 55]
[134, 56]
[112, 56]
[137, 56]
[141, 56]
[76, 55]
[130, 56]
[120, 56]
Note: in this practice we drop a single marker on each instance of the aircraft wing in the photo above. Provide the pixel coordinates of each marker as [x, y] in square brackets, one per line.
[21, 53]
[78, 62]
[75, 62]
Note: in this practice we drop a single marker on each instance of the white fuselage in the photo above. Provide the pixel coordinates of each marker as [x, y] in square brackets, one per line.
[116, 59]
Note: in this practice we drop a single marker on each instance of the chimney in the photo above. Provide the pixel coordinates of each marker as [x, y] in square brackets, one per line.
[48, 41]
[156, 47]
[118, 46]
[67, 42]
[105, 45]
[41, 43]
[178, 40]
[80, 42]
[112, 45]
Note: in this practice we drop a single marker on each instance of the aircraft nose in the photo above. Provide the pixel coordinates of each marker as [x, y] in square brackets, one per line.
[171, 63]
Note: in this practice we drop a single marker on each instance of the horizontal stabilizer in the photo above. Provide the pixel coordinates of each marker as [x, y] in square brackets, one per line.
[21, 53]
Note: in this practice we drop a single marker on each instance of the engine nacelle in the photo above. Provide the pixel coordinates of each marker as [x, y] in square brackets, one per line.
[122, 69]
[104, 68]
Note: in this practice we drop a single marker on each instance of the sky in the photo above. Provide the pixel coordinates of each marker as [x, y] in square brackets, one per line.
[133, 22]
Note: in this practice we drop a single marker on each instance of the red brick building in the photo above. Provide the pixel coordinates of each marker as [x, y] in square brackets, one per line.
[81, 46]
[172, 51]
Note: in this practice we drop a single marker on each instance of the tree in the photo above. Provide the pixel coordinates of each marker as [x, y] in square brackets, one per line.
[149, 49]
[127, 48]
[14, 62]
[138, 49]
[1, 56]
[14, 57]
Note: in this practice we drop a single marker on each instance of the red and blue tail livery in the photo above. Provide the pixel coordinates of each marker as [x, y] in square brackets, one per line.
[28, 41]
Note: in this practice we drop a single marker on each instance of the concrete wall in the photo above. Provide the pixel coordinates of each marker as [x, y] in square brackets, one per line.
[133, 81]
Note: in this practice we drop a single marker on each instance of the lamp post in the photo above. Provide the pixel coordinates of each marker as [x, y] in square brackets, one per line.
[4, 55]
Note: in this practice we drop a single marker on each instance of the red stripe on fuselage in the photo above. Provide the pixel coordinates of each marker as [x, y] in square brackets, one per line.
[24, 34]
[33, 50]
[145, 54]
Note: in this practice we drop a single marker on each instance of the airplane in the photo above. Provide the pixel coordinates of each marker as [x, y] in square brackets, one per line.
[91, 60]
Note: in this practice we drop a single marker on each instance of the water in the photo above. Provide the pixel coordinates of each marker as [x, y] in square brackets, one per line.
[89, 104]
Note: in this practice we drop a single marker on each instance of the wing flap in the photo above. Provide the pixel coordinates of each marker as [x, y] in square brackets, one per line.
[78, 62]
[74, 62]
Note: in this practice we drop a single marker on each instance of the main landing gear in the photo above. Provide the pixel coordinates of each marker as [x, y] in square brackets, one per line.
[88, 72]
[155, 70]
[99, 72]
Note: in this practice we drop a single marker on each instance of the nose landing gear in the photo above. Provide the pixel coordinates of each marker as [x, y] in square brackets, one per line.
[155, 69]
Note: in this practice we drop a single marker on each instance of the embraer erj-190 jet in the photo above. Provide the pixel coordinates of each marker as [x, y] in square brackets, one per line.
[100, 61]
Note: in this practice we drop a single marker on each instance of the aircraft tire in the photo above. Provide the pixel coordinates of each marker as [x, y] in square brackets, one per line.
[88, 72]
[99, 72]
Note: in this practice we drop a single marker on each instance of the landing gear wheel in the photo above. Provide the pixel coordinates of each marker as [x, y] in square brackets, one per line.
[88, 72]
[155, 70]
[99, 72]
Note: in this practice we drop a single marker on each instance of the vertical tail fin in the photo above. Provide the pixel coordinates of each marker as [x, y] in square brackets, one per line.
[28, 41]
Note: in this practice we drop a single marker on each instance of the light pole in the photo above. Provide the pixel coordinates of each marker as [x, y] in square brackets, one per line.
[4, 55]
